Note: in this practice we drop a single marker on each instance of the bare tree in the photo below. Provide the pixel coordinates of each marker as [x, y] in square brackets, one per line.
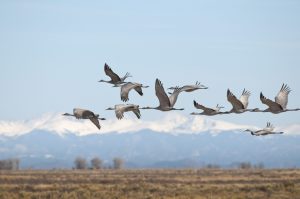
[9, 164]
[80, 163]
[118, 163]
[245, 165]
[96, 163]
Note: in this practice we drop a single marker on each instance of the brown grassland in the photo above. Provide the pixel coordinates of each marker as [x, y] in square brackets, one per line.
[168, 183]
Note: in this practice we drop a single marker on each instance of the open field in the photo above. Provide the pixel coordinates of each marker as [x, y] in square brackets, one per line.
[188, 183]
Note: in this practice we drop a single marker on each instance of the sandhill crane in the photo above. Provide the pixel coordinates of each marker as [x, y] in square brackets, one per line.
[239, 105]
[190, 88]
[208, 111]
[79, 113]
[126, 88]
[265, 131]
[165, 103]
[121, 108]
[115, 79]
[280, 103]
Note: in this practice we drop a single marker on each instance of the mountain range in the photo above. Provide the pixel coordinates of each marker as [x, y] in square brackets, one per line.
[182, 145]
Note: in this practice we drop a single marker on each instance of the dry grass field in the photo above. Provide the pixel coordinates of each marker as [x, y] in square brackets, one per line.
[188, 183]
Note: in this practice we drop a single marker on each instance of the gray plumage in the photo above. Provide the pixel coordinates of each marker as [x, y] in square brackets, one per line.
[120, 109]
[79, 113]
[190, 88]
[239, 105]
[165, 103]
[280, 103]
[127, 87]
[114, 78]
[268, 130]
[208, 111]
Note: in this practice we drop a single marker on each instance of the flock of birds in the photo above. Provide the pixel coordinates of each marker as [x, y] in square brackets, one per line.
[167, 103]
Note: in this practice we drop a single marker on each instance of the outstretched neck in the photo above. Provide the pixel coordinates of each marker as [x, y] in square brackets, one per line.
[147, 107]
[68, 114]
[104, 81]
[295, 109]
[177, 109]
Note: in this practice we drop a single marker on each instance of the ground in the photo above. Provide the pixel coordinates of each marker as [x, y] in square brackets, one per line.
[166, 183]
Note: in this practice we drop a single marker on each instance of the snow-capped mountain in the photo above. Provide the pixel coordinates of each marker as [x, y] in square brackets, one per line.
[53, 141]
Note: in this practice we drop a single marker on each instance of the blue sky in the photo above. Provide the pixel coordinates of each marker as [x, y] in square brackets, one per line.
[52, 54]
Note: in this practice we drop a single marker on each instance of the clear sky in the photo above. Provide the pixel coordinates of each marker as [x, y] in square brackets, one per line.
[52, 54]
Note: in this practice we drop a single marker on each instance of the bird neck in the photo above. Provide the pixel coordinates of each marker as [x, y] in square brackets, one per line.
[147, 107]
[68, 114]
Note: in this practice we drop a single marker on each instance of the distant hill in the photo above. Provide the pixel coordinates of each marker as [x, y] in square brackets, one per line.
[149, 149]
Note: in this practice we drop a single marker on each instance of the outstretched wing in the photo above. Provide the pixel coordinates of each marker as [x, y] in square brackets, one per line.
[137, 112]
[161, 94]
[199, 106]
[271, 104]
[108, 71]
[236, 104]
[191, 88]
[282, 96]
[119, 113]
[125, 89]
[269, 127]
[245, 97]
[95, 121]
[173, 97]
[139, 90]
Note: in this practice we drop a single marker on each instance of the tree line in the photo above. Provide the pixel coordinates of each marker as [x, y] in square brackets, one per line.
[10, 164]
[97, 163]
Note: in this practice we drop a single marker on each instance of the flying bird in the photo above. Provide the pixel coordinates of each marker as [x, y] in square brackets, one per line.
[280, 103]
[126, 88]
[121, 108]
[208, 111]
[79, 113]
[239, 105]
[190, 88]
[115, 79]
[269, 129]
[165, 103]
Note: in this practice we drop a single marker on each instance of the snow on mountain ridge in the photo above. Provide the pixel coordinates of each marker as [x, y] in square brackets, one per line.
[174, 123]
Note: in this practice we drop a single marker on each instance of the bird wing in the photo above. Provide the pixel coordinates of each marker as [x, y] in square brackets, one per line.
[245, 97]
[199, 106]
[282, 96]
[236, 104]
[269, 127]
[119, 113]
[189, 88]
[137, 112]
[95, 121]
[161, 94]
[139, 90]
[173, 97]
[271, 104]
[108, 71]
[125, 89]
[134, 108]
